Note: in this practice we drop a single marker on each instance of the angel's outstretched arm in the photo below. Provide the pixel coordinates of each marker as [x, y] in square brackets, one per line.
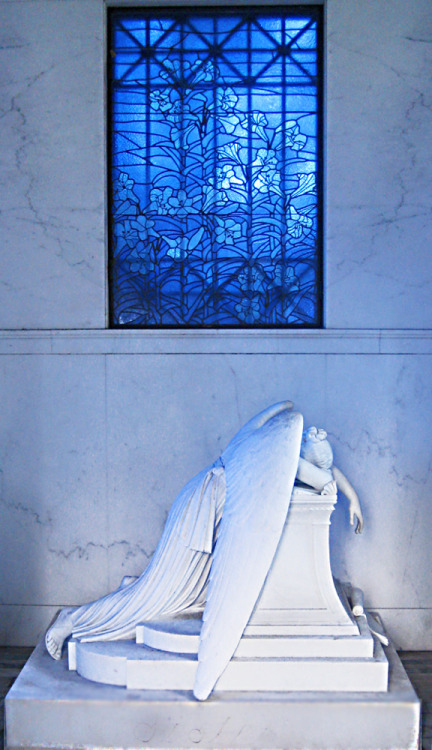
[348, 490]
[319, 478]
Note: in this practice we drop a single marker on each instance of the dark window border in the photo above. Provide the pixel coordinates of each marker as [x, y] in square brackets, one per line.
[318, 10]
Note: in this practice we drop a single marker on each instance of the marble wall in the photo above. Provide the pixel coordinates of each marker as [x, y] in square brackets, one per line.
[379, 98]
[100, 429]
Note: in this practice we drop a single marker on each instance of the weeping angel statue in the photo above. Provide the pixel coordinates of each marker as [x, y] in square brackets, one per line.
[218, 543]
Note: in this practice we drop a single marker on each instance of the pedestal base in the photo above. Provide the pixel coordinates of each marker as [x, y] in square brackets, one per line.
[134, 667]
[167, 660]
[51, 707]
[259, 642]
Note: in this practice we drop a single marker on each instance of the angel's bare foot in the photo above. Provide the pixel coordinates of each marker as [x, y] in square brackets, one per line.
[58, 632]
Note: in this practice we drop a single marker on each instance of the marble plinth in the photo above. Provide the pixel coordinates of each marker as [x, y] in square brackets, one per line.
[301, 636]
[258, 642]
[140, 667]
[52, 707]
[300, 592]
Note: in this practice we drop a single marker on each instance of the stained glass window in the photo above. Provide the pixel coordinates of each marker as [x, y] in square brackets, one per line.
[215, 197]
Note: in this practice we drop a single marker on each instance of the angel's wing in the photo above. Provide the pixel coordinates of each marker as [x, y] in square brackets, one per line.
[260, 473]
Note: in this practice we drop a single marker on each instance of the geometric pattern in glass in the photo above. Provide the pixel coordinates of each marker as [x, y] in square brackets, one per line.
[215, 198]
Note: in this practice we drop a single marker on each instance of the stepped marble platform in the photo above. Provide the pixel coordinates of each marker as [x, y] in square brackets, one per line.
[182, 636]
[166, 658]
[145, 668]
[301, 636]
[52, 707]
[306, 673]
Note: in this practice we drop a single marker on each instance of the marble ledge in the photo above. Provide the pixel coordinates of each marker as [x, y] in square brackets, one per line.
[24, 624]
[229, 341]
[138, 3]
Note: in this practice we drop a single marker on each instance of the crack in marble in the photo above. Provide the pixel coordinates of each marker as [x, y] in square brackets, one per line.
[14, 108]
[382, 450]
[419, 101]
[83, 551]
[401, 478]
[222, 728]
[372, 445]
[26, 140]
[417, 39]
[27, 510]
[402, 175]
[236, 392]
[405, 204]
[369, 56]
[388, 221]
[14, 46]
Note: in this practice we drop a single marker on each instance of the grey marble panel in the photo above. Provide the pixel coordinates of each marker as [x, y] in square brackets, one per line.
[378, 419]
[24, 624]
[52, 156]
[53, 479]
[379, 170]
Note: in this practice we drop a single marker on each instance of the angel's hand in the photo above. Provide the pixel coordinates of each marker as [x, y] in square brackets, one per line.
[356, 515]
[355, 511]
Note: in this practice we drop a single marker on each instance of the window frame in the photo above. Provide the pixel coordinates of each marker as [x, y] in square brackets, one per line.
[318, 10]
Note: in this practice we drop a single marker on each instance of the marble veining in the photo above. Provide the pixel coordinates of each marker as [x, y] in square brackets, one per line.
[128, 551]
[50, 203]
[378, 204]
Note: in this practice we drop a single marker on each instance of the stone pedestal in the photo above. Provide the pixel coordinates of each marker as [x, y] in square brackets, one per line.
[306, 674]
[52, 707]
[299, 596]
[143, 668]
[301, 635]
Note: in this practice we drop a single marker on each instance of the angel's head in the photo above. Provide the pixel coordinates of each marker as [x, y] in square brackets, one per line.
[316, 448]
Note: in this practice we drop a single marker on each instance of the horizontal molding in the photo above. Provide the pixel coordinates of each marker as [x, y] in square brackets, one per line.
[261, 341]
[23, 625]
[197, 3]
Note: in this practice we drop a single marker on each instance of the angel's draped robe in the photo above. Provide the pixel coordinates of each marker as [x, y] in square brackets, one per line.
[176, 578]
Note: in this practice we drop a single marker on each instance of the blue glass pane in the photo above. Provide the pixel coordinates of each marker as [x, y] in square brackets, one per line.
[214, 154]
